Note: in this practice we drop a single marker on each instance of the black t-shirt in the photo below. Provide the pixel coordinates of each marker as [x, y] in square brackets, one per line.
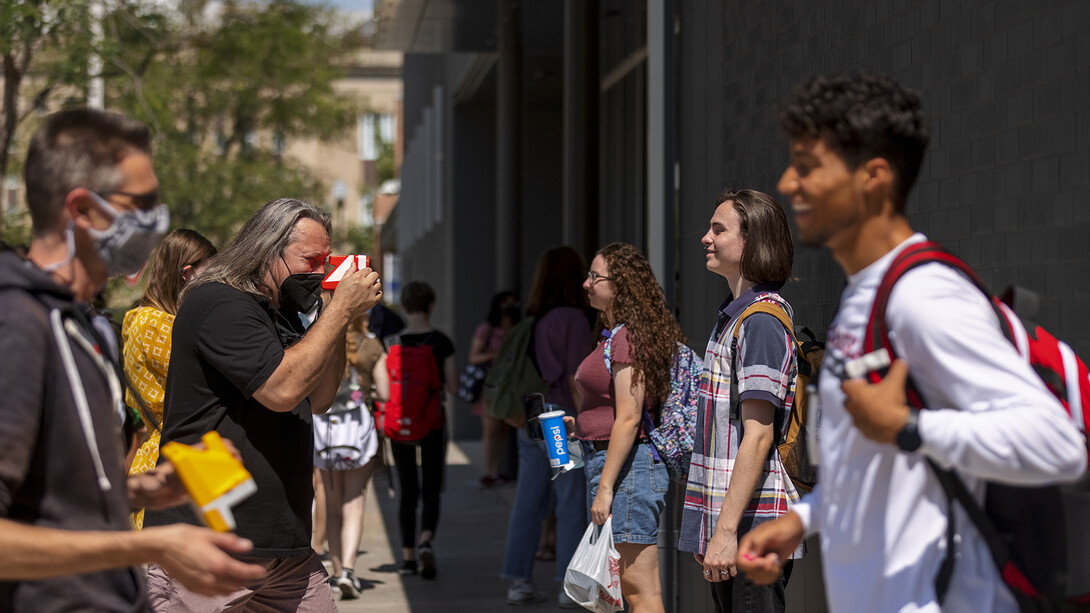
[225, 346]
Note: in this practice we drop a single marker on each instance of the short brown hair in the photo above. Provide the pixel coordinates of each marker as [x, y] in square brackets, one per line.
[417, 297]
[768, 253]
[77, 148]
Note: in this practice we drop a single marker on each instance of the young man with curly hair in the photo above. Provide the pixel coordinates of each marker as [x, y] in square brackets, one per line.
[856, 146]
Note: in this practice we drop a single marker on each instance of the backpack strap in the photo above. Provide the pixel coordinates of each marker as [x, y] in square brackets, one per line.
[531, 347]
[607, 353]
[877, 337]
[391, 341]
[759, 306]
[765, 307]
[877, 332]
[646, 421]
[427, 342]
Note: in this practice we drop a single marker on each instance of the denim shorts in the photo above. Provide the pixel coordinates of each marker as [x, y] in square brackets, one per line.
[639, 496]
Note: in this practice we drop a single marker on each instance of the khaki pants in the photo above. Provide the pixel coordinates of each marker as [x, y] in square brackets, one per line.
[291, 584]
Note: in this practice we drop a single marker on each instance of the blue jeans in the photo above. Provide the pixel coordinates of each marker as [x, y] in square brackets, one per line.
[533, 498]
[639, 494]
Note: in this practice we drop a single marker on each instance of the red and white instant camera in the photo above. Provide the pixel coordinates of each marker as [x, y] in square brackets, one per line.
[341, 264]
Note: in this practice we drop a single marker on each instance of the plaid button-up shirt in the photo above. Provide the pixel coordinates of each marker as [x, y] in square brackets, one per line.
[766, 370]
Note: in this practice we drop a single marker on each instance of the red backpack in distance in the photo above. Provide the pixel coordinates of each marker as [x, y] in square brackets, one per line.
[1039, 537]
[413, 408]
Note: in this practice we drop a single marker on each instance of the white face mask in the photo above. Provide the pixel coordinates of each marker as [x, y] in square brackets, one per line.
[127, 243]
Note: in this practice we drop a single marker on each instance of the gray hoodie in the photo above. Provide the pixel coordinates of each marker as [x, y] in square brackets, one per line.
[61, 454]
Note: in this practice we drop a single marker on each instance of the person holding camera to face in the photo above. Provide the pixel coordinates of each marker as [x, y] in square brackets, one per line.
[253, 360]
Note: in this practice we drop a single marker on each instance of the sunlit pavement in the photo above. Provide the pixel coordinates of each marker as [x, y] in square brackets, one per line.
[468, 549]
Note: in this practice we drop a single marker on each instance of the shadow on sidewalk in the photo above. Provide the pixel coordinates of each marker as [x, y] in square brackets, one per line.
[469, 544]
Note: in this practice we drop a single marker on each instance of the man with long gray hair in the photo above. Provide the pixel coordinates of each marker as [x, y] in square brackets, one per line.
[252, 360]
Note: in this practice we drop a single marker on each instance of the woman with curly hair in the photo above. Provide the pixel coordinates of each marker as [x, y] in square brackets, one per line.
[623, 477]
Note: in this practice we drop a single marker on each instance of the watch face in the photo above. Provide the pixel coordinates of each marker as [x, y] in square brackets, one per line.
[908, 439]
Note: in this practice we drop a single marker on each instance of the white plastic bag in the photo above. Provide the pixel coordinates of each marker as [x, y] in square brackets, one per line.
[593, 578]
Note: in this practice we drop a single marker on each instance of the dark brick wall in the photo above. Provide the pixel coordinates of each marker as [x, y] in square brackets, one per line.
[1006, 180]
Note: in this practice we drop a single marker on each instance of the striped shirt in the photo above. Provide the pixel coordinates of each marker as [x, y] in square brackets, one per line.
[766, 371]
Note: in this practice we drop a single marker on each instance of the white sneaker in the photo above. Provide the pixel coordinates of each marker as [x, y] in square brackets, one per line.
[523, 592]
[564, 601]
[350, 585]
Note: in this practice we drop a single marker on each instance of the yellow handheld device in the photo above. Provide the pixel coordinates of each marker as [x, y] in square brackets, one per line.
[215, 479]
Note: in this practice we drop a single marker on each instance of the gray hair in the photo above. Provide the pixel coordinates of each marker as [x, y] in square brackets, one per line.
[77, 148]
[243, 263]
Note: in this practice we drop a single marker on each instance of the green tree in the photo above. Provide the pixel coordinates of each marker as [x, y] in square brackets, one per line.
[221, 95]
[43, 43]
[222, 85]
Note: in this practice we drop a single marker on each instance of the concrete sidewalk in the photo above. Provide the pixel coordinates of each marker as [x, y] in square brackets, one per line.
[468, 548]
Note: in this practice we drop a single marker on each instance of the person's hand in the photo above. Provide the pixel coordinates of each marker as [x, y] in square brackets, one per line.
[763, 549]
[569, 426]
[358, 291]
[719, 557]
[603, 503]
[160, 487]
[199, 559]
[879, 410]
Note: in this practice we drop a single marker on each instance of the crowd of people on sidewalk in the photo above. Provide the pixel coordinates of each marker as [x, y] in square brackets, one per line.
[317, 390]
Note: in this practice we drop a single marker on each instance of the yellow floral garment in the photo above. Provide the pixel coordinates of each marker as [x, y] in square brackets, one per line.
[145, 333]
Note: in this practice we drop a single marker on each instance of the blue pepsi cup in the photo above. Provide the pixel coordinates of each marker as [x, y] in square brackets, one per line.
[556, 438]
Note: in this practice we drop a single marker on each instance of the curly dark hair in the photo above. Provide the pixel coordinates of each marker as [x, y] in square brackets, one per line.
[639, 303]
[862, 116]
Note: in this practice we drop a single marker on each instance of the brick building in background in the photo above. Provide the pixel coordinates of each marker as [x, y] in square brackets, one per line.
[349, 164]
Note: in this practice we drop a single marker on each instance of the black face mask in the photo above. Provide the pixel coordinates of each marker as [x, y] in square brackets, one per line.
[301, 298]
[513, 313]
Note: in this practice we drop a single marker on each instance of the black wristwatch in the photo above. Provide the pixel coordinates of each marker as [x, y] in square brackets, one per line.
[908, 439]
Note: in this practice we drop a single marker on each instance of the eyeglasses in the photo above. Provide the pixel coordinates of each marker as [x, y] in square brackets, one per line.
[593, 277]
[143, 201]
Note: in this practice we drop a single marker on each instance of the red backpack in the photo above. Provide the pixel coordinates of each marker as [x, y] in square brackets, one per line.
[413, 409]
[1038, 536]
